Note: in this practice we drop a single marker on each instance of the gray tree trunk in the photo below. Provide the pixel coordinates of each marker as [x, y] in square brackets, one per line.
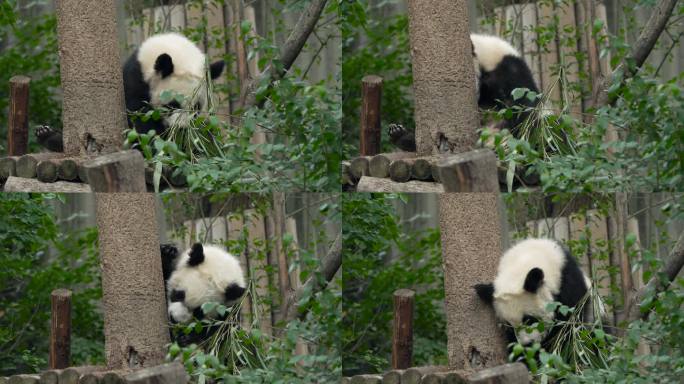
[132, 285]
[443, 76]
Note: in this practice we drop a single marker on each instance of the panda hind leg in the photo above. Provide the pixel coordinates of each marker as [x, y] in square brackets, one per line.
[401, 137]
[49, 138]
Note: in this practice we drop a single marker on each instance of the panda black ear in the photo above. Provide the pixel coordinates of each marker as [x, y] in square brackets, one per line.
[486, 292]
[164, 65]
[196, 255]
[216, 69]
[534, 280]
[169, 252]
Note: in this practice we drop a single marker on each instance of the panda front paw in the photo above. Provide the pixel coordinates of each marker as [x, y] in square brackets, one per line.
[396, 131]
[43, 132]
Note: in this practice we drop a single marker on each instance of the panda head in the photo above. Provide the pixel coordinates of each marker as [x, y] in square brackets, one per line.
[171, 62]
[202, 274]
[528, 278]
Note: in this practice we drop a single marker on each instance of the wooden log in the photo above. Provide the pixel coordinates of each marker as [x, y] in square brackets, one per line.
[359, 167]
[60, 329]
[112, 378]
[27, 164]
[8, 167]
[366, 379]
[375, 184]
[89, 378]
[371, 96]
[46, 171]
[432, 378]
[421, 167]
[18, 184]
[345, 380]
[17, 130]
[24, 379]
[515, 373]
[400, 171]
[402, 337]
[69, 376]
[379, 165]
[415, 375]
[67, 169]
[4, 380]
[453, 377]
[50, 377]
[172, 373]
[392, 377]
[117, 172]
[473, 171]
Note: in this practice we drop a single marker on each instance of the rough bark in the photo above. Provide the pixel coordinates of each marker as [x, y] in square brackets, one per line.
[402, 336]
[471, 247]
[371, 97]
[374, 184]
[19, 184]
[133, 291]
[17, 130]
[445, 95]
[93, 107]
[60, 329]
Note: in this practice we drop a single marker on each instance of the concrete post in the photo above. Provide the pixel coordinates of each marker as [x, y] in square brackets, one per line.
[132, 287]
[93, 108]
[471, 247]
[443, 76]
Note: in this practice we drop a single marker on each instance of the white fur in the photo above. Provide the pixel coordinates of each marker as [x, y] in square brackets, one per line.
[511, 301]
[179, 312]
[490, 50]
[204, 282]
[189, 68]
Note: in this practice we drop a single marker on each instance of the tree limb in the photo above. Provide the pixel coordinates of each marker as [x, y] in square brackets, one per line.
[640, 49]
[670, 270]
[291, 49]
[317, 282]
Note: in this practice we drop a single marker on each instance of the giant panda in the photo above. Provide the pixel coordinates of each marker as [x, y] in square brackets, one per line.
[499, 69]
[532, 274]
[163, 62]
[201, 274]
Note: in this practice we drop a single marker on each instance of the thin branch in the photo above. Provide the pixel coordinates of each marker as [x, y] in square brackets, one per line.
[640, 49]
[670, 270]
[291, 49]
[329, 266]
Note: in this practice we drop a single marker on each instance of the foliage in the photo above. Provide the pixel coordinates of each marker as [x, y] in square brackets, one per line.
[374, 45]
[28, 46]
[300, 120]
[370, 229]
[258, 353]
[27, 230]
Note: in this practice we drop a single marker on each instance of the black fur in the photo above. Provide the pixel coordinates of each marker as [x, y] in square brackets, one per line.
[572, 287]
[49, 138]
[534, 280]
[169, 253]
[215, 69]
[164, 65]
[495, 89]
[486, 292]
[176, 296]
[196, 255]
[234, 292]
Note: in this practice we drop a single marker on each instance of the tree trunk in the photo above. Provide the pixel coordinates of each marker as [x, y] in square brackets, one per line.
[132, 286]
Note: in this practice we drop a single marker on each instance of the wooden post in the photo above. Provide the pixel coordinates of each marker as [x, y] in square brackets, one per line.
[60, 329]
[402, 337]
[135, 311]
[17, 134]
[471, 247]
[445, 93]
[473, 171]
[93, 108]
[117, 172]
[371, 97]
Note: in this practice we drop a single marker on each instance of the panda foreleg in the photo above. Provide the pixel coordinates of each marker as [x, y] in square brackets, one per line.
[401, 137]
[49, 138]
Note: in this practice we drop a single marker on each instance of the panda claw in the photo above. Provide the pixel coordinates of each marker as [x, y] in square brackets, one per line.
[396, 131]
[43, 131]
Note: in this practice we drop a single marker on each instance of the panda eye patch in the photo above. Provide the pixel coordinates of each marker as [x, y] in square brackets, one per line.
[177, 296]
[529, 320]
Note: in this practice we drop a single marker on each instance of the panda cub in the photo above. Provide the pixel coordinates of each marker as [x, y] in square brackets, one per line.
[499, 69]
[201, 274]
[532, 274]
[164, 62]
